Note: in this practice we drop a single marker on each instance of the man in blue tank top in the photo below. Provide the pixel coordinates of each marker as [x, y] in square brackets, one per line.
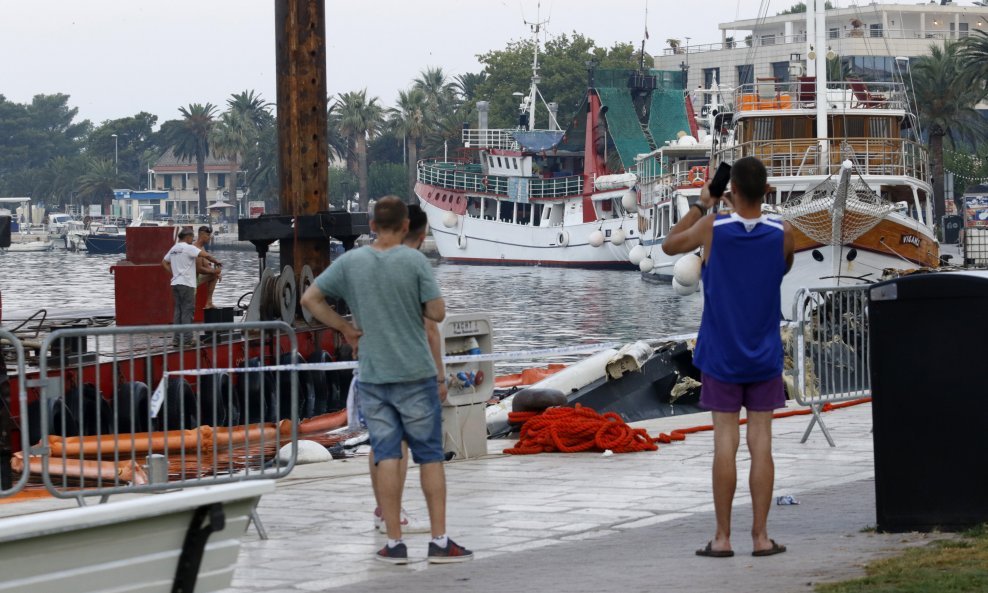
[739, 347]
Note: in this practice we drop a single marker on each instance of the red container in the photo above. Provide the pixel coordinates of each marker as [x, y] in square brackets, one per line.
[149, 244]
[143, 295]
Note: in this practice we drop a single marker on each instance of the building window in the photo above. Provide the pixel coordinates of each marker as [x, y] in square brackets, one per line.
[220, 180]
[780, 70]
[833, 33]
[746, 74]
[185, 182]
[768, 39]
[710, 75]
[167, 181]
[875, 30]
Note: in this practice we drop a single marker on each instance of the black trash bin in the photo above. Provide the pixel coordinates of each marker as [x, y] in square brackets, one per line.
[928, 335]
[952, 228]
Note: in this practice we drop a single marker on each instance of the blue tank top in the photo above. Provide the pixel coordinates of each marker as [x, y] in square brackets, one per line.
[739, 339]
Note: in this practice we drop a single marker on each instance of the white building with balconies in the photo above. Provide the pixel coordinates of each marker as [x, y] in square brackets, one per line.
[866, 38]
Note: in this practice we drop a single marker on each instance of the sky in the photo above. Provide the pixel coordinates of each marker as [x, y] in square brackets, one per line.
[116, 58]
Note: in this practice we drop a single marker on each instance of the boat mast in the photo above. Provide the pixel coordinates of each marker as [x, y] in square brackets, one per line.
[533, 93]
[820, 41]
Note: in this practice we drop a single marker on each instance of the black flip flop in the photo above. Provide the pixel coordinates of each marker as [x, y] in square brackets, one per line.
[709, 552]
[775, 549]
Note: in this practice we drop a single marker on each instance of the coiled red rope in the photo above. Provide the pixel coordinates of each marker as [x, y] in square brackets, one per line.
[571, 430]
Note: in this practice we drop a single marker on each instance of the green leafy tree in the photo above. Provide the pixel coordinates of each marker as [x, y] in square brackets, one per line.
[135, 139]
[563, 71]
[360, 118]
[189, 138]
[466, 85]
[800, 8]
[386, 179]
[946, 94]
[239, 132]
[342, 184]
[439, 90]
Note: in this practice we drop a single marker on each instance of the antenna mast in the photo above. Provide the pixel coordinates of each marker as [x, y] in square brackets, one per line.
[533, 93]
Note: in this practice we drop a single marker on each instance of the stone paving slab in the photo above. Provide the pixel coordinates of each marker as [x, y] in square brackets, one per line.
[585, 522]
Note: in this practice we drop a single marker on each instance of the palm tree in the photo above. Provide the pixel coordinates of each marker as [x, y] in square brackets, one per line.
[439, 91]
[410, 120]
[466, 85]
[97, 183]
[189, 138]
[230, 138]
[360, 118]
[946, 93]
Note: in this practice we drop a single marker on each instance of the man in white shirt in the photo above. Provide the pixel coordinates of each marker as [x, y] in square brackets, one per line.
[180, 261]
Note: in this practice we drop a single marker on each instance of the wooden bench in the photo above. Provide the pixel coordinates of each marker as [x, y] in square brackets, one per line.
[152, 543]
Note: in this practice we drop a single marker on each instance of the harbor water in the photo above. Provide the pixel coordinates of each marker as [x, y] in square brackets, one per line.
[530, 307]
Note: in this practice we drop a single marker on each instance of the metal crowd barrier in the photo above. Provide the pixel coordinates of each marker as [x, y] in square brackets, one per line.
[124, 409]
[8, 486]
[832, 350]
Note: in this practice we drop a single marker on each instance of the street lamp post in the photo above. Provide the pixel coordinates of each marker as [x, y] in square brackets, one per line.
[115, 153]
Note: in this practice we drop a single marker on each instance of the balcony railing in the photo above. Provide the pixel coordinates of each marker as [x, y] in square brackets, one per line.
[872, 156]
[470, 178]
[801, 94]
[780, 39]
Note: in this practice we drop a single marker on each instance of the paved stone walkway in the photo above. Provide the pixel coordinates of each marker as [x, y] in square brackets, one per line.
[585, 522]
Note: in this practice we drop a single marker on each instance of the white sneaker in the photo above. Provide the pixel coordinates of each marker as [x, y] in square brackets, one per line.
[409, 524]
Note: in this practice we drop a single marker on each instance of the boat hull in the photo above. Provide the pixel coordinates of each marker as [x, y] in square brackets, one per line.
[490, 242]
[106, 244]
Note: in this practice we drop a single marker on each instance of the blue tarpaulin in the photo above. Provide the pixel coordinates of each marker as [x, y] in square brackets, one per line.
[538, 141]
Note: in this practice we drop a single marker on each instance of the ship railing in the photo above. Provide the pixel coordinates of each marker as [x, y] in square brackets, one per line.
[871, 156]
[499, 139]
[830, 349]
[125, 410]
[9, 343]
[851, 95]
[772, 39]
[470, 178]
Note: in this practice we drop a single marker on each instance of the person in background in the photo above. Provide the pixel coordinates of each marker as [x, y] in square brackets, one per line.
[391, 290]
[418, 223]
[180, 262]
[739, 346]
[207, 273]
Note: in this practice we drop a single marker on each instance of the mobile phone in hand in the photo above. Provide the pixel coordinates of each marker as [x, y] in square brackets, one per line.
[721, 178]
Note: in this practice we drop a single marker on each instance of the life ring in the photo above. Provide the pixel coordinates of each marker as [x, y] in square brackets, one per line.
[562, 239]
[698, 176]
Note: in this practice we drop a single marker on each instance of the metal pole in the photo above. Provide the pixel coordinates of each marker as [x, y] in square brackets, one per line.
[303, 152]
[115, 152]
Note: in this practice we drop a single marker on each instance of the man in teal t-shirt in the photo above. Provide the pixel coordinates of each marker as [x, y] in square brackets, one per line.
[390, 288]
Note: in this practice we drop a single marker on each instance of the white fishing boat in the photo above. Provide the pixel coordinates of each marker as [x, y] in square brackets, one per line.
[808, 132]
[553, 197]
[30, 244]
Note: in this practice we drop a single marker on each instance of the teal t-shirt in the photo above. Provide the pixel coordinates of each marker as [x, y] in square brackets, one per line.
[385, 291]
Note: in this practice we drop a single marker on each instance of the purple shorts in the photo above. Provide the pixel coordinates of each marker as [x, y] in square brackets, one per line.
[763, 396]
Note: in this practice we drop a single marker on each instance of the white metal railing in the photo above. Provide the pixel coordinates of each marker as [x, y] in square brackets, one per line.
[831, 349]
[470, 178]
[496, 139]
[871, 156]
[768, 94]
[769, 39]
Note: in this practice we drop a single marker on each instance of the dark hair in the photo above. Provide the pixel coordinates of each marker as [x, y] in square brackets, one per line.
[749, 176]
[185, 232]
[389, 213]
[205, 229]
[417, 220]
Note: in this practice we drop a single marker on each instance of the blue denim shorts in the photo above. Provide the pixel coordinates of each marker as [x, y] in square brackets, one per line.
[406, 411]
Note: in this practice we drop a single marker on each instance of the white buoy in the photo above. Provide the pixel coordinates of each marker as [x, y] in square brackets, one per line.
[596, 239]
[450, 219]
[618, 237]
[637, 254]
[682, 290]
[687, 270]
[646, 265]
[630, 200]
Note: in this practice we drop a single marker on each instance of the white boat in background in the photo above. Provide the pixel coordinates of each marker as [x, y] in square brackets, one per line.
[553, 197]
[810, 133]
[35, 244]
